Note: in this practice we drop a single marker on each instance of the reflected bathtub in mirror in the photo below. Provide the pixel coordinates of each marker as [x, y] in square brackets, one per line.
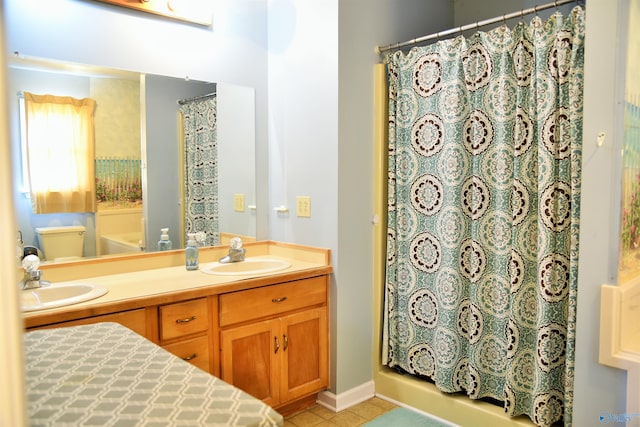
[125, 243]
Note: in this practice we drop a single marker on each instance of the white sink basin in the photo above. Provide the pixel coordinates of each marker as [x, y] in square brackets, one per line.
[58, 295]
[248, 266]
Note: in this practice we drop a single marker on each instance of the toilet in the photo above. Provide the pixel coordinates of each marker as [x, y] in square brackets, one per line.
[58, 243]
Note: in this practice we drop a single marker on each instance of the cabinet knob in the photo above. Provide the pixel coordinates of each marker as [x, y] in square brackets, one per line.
[187, 320]
[193, 356]
[277, 300]
[286, 342]
[276, 345]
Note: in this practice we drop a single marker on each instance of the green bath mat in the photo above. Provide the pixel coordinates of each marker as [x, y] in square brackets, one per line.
[401, 417]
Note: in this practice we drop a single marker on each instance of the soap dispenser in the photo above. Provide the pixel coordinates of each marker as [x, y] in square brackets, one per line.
[191, 252]
[164, 244]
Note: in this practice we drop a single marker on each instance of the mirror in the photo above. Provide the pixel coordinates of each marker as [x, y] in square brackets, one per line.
[137, 135]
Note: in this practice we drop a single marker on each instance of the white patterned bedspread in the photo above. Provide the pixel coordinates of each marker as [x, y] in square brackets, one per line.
[106, 375]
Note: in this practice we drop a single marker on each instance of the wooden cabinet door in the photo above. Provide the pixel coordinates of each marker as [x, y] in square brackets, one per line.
[305, 353]
[250, 359]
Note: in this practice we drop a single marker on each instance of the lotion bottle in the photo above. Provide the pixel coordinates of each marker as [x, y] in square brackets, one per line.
[191, 252]
[164, 244]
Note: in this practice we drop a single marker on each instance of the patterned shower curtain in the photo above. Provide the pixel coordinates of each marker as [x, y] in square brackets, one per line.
[484, 180]
[199, 120]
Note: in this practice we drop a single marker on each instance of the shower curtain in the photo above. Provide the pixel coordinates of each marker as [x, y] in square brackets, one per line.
[485, 140]
[199, 120]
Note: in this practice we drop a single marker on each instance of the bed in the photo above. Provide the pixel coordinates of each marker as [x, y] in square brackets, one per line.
[105, 374]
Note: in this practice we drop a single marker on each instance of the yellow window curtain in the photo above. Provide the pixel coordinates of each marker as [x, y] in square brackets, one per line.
[60, 153]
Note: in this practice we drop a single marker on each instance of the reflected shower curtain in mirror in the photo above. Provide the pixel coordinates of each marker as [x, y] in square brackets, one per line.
[199, 122]
[485, 138]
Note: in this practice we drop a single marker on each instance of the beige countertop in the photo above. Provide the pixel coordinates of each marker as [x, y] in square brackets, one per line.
[150, 286]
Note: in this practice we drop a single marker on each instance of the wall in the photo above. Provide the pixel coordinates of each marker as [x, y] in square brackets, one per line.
[117, 117]
[470, 11]
[303, 140]
[599, 389]
[236, 108]
[633, 49]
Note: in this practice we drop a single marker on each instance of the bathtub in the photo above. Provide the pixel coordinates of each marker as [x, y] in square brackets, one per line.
[118, 231]
[120, 243]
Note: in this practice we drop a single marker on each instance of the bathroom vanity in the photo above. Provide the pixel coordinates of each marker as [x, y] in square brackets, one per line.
[265, 333]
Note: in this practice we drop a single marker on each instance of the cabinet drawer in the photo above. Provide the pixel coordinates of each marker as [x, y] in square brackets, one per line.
[272, 300]
[194, 351]
[183, 318]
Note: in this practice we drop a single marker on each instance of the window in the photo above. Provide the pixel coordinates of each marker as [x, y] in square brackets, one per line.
[58, 152]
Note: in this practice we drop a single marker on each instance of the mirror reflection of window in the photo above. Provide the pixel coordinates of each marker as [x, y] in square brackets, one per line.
[58, 142]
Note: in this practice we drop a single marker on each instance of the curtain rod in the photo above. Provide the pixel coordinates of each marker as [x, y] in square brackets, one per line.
[196, 98]
[522, 13]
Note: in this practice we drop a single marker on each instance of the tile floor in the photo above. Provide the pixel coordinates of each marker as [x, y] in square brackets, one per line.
[319, 416]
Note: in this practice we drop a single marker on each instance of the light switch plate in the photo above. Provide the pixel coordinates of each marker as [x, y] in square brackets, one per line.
[303, 206]
[238, 202]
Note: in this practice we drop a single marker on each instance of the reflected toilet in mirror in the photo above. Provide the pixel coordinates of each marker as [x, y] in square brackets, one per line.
[61, 243]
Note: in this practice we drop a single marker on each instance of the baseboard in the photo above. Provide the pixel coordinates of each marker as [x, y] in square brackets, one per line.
[347, 399]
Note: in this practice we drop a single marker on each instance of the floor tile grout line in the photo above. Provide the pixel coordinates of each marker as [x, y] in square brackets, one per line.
[361, 414]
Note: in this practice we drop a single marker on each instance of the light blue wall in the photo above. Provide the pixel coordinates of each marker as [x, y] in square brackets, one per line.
[599, 388]
[471, 11]
[303, 149]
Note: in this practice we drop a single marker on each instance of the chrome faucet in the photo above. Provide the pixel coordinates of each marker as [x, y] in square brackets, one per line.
[32, 276]
[236, 251]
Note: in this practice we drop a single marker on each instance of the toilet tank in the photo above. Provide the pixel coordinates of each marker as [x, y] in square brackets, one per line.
[61, 242]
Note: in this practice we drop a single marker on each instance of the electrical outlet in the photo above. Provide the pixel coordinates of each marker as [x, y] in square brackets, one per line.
[303, 206]
[238, 202]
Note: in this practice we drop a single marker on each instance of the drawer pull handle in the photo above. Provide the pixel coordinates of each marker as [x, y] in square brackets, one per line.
[276, 345]
[193, 356]
[187, 320]
[286, 342]
[277, 300]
